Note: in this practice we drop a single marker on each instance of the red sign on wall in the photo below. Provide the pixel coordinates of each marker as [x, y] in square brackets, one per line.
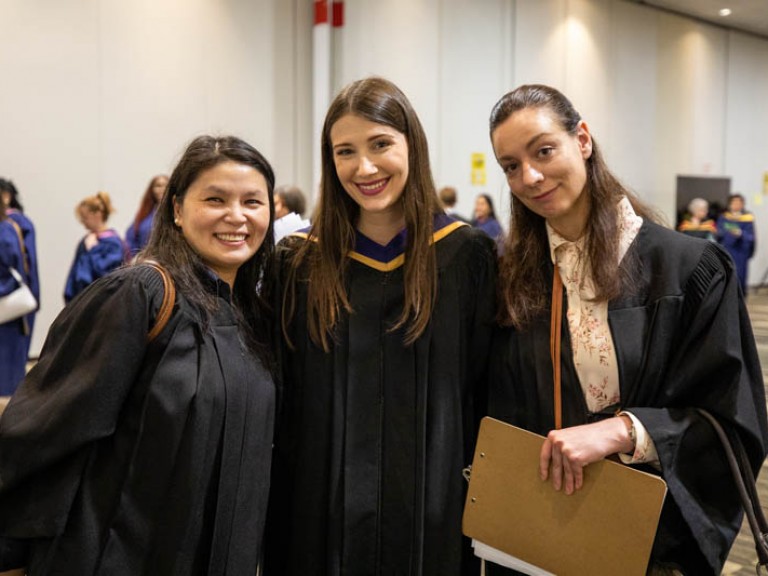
[321, 12]
[337, 13]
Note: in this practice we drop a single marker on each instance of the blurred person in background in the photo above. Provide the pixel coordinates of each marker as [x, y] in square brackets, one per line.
[697, 222]
[14, 333]
[448, 198]
[15, 212]
[736, 232]
[290, 205]
[289, 199]
[137, 235]
[100, 251]
[485, 219]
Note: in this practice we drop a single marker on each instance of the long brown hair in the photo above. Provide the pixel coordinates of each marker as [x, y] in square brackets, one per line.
[332, 235]
[523, 281]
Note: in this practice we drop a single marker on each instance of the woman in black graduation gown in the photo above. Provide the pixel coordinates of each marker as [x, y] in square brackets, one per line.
[653, 327]
[388, 310]
[121, 456]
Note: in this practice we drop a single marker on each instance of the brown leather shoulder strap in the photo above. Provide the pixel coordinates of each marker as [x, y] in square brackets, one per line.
[169, 299]
[555, 329]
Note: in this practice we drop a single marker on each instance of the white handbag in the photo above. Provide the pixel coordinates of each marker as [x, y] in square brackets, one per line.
[18, 303]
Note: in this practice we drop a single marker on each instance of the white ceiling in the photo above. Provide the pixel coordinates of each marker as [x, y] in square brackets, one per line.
[747, 15]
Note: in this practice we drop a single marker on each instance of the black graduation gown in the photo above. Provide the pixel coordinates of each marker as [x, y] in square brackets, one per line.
[373, 435]
[683, 340]
[118, 457]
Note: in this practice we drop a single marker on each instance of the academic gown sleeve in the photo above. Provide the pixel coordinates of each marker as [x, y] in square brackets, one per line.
[137, 235]
[90, 265]
[132, 240]
[713, 365]
[683, 341]
[70, 399]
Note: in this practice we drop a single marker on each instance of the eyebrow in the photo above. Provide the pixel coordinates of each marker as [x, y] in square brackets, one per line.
[374, 137]
[212, 188]
[530, 142]
[538, 136]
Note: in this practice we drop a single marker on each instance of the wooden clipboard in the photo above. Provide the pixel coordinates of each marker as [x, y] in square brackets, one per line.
[606, 528]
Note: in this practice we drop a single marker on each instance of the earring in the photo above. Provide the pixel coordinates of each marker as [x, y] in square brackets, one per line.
[177, 221]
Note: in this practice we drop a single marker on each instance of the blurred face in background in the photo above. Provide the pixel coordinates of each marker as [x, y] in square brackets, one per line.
[280, 209]
[93, 220]
[158, 188]
[736, 205]
[699, 211]
[482, 208]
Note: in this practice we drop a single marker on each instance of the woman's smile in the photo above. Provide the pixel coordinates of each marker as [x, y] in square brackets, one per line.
[372, 188]
[231, 238]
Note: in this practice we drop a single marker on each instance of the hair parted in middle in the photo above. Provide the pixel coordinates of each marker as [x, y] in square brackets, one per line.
[168, 245]
[523, 284]
[333, 231]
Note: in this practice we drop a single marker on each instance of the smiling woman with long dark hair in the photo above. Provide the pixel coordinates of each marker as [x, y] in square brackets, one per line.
[131, 455]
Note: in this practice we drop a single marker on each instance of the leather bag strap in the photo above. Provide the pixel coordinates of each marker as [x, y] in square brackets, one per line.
[169, 299]
[555, 330]
[745, 485]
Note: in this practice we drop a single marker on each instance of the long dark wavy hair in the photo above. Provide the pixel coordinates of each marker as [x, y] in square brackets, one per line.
[167, 245]
[333, 229]
[524, 284]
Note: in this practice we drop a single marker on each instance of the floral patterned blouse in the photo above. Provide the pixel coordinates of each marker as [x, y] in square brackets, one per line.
[593, 353]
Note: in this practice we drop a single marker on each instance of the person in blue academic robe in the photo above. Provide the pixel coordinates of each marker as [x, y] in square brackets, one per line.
[100, 251]
[15, 212]
[13, 334]
[137, 235]
[736, 232]
[485, 220]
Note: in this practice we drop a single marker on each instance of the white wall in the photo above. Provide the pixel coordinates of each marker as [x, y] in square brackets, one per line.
[103, 94]
[745, 145]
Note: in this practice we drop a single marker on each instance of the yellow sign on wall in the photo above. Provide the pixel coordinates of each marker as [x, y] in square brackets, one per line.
[478, 169]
